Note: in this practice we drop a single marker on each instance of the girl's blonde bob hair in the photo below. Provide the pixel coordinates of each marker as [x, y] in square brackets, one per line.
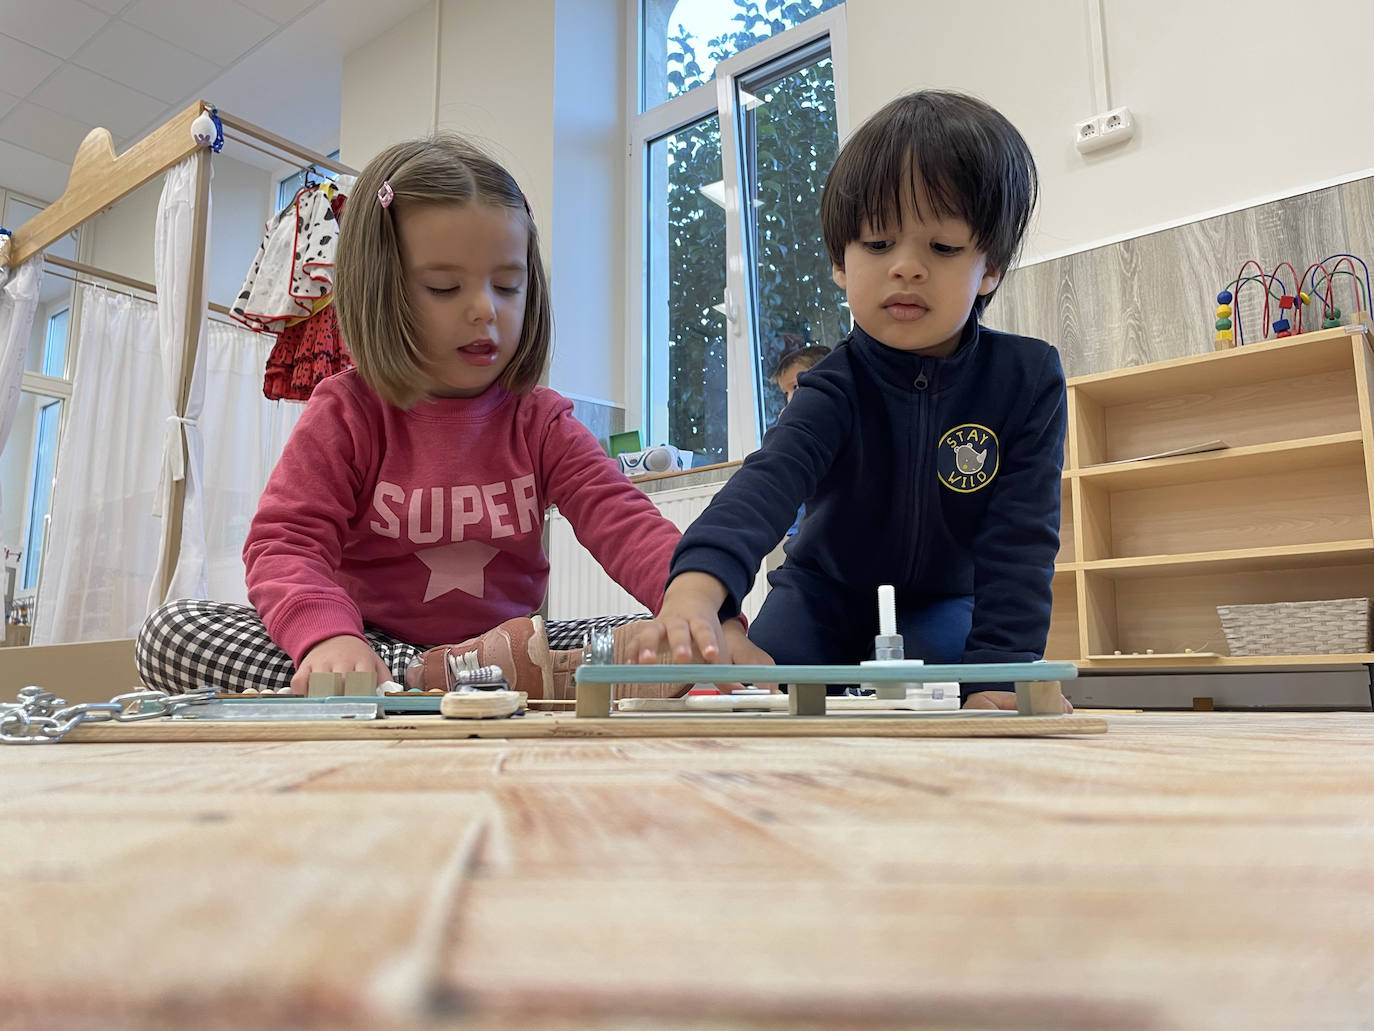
[370, 295]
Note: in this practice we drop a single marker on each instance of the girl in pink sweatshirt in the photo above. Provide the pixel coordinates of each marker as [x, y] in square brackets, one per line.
[407, 509]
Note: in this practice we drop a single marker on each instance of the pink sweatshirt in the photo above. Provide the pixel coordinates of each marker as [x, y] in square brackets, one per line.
[428, 523]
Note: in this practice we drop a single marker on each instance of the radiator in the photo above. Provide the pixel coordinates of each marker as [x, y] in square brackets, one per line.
[579, 587]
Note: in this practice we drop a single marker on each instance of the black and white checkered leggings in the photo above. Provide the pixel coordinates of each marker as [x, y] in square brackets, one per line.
[189, 644]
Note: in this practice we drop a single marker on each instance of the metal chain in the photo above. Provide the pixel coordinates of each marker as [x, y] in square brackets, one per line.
[41, 718]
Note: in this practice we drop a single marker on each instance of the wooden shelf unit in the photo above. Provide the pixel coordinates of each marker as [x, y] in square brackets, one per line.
[1149, 548]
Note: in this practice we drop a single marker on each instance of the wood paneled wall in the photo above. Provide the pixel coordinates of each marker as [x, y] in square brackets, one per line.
[1153, 297]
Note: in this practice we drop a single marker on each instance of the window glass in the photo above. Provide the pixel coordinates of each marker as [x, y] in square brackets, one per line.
[789, 139]
[685, 304]
[684, 40]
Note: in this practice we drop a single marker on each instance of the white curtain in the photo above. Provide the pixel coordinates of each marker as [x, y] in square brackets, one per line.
[244, 434]
[172, 248]
[103, 537]
[104, 540]
[18, 302]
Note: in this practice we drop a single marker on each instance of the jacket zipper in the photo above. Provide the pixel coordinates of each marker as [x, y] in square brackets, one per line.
[922, 383]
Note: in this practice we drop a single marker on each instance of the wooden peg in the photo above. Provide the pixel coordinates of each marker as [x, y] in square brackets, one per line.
[325, 685]
[806, 699]
[1039, 698]
[360, 682]
[593, 700]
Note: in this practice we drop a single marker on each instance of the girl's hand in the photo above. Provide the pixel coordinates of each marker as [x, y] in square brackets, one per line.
[342, 654]
[999, 700]
[686, 623]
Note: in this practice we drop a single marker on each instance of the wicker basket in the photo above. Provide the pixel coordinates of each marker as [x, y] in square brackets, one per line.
[1338, 627]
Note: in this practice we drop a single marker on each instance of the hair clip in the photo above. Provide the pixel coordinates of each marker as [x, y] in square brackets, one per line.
[386, 195]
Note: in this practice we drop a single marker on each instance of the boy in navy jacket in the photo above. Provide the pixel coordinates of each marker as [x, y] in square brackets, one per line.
[928, 450]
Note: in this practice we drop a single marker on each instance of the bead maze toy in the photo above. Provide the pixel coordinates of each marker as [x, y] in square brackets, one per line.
[1230, 331]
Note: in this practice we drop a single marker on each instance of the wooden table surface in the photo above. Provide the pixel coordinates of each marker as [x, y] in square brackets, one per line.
[1180, 871]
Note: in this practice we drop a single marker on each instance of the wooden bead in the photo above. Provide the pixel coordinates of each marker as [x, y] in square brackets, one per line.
[1223, 323]
[1224, 297]
[1282, 326]
[1226, 334]
[1223, 311]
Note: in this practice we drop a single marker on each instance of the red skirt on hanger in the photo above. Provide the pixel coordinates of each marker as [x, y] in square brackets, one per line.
[305, 353]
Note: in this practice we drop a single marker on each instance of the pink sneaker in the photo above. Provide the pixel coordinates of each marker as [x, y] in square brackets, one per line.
[519, 646]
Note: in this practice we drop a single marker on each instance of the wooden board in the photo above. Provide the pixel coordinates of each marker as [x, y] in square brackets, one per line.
[228, 900]
[971, 672]
[1184, 870]
[774, 703]
[965, 723]
[99, 179]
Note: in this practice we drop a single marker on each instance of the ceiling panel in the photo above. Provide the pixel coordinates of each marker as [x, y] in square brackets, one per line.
[281, 11]
[33, 174]
[110, 6]
[7, 102]
[57, 26]
[88, 97]
[43, 131]
[23, 67]
[145, 63]
[222, 36]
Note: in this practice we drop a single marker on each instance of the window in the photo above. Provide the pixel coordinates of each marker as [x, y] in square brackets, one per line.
[55, 344]
[40, 491]
[727, 185]
[29, 456]
[288, 188]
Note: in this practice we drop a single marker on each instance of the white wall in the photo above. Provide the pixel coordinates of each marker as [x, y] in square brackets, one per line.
[242, 200]
[539, 85]
[496, 87]
[389, 88]
[1230, 108]
[587, 259]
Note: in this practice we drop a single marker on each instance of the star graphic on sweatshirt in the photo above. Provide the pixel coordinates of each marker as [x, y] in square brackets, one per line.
[457, 567]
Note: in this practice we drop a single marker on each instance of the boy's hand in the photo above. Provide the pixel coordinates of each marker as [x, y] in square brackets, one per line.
[743, 652]
[342, 654]
[999, 700]
[686, 624]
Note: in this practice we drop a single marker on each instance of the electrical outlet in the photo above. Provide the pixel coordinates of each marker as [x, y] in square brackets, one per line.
[1118, 125]
[1104, 130]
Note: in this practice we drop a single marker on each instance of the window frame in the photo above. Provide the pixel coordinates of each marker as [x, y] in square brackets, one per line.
[46, 388]
[302, 170]
[643, 405]
[35, 534]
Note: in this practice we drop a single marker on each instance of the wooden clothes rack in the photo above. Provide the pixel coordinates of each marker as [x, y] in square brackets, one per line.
[99, 179]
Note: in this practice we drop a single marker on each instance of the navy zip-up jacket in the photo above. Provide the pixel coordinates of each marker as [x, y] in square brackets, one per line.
[938, 475]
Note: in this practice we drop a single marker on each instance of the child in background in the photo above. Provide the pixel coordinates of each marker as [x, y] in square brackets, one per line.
[407, 508]
[790, 366]
[793, 364]
[928, 448]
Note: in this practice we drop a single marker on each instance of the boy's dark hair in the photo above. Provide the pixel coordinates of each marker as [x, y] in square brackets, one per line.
[806, 357]
[973, 164]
